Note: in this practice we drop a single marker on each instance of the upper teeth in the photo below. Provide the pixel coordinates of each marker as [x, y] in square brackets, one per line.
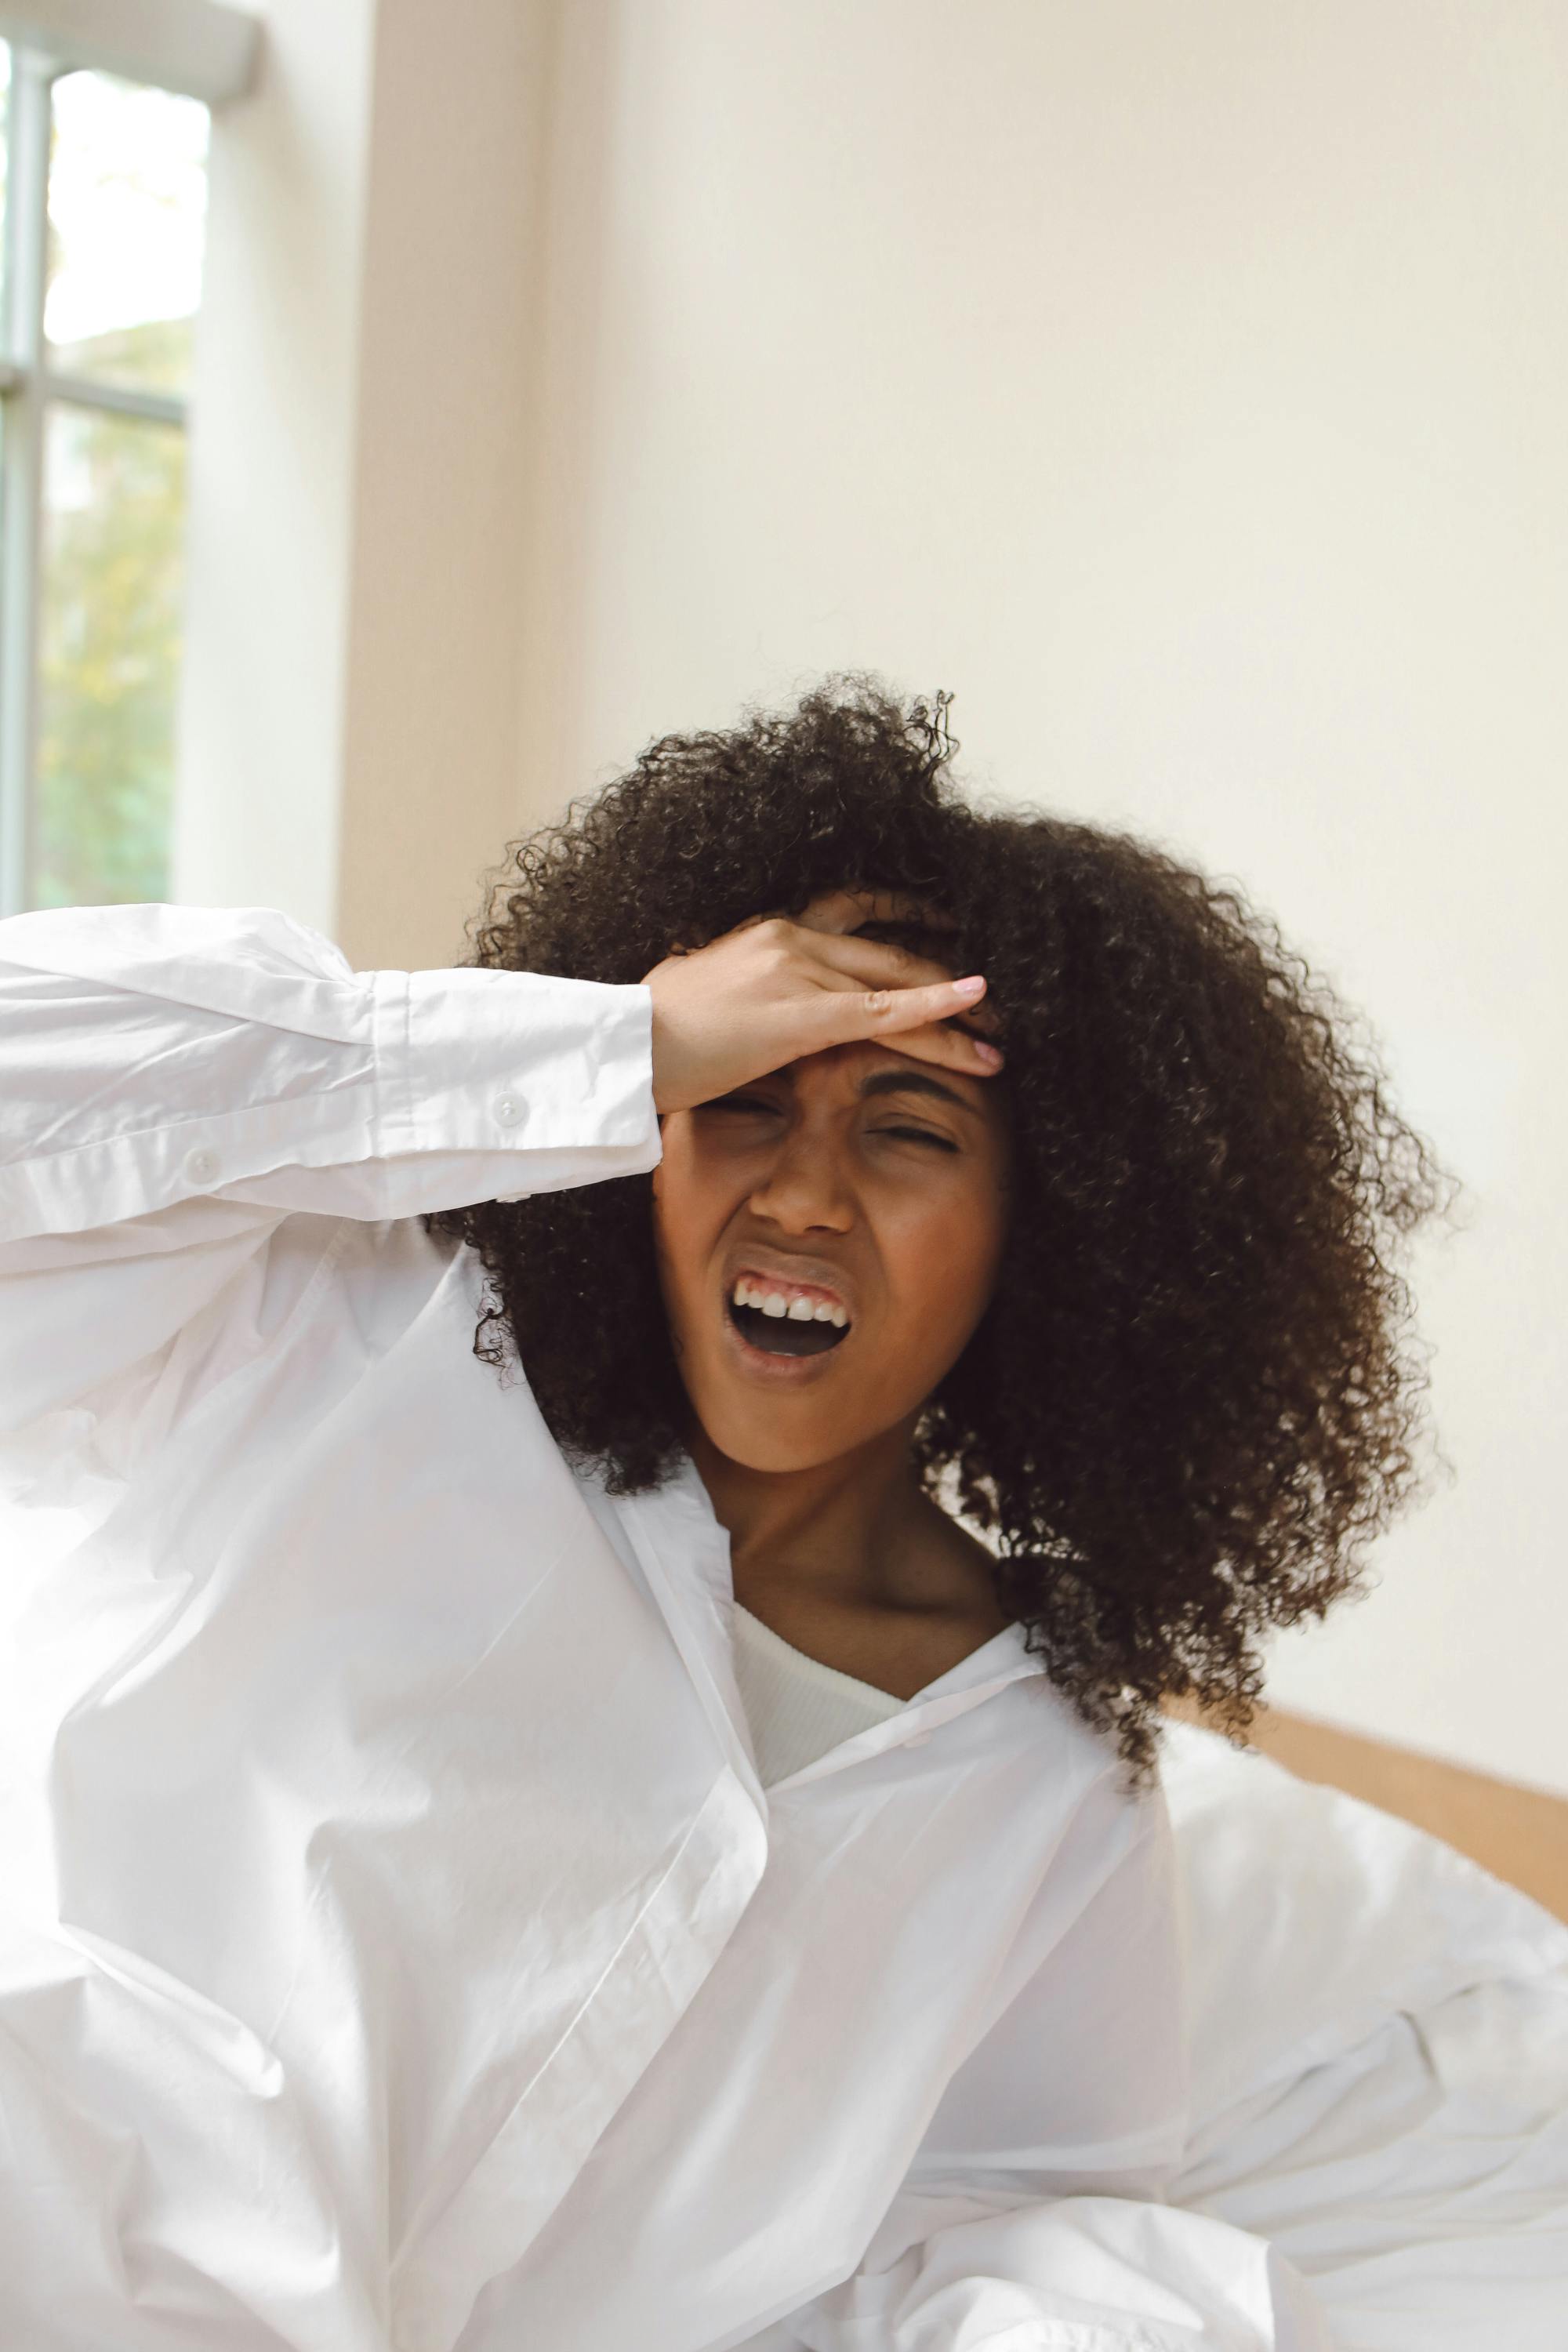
[799, 1310]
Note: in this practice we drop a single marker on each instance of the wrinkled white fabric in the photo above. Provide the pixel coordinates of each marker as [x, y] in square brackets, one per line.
[1379, 2035]
[400, 1952]
[1380, 2060]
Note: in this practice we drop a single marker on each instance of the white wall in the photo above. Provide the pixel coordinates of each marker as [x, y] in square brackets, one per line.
[351, 717]
[271, 470]
[1184, 388]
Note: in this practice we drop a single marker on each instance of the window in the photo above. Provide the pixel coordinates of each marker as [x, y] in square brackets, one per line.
[103, 211]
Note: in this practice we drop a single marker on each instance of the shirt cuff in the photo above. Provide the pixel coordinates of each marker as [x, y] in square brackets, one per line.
[482, 1060]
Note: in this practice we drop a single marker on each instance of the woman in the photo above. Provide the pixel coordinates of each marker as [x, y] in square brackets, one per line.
[534, 1821]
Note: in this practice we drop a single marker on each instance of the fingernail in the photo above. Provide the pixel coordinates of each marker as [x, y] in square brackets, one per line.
[969, 987]
[989, 1054]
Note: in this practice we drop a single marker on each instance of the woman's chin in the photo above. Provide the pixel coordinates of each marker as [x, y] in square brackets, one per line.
[754, 1442]
[780, 1433]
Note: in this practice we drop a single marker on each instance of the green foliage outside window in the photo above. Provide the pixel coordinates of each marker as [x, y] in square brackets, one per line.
[90, 642]
[109, 646]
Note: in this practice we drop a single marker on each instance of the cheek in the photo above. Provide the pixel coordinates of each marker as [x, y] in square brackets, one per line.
[942, 1266]
[690, 1208]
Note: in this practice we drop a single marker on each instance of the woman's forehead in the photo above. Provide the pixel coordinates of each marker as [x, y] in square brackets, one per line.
[849, 1063]
[847, 1070]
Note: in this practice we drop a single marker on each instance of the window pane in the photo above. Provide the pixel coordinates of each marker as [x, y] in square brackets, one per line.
[127, 220]
[109, 656]
[4, 170]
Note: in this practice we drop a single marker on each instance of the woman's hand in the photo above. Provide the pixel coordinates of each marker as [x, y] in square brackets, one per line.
[774, 989]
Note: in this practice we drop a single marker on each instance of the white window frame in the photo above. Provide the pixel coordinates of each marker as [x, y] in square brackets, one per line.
[201, 49]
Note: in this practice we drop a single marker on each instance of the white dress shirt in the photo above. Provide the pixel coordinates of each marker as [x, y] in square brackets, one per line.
[400, 1951]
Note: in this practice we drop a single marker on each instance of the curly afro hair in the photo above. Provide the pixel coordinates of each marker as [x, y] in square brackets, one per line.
[1186, 1411]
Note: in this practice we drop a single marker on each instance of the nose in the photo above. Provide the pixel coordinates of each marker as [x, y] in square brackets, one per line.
[804, 1188]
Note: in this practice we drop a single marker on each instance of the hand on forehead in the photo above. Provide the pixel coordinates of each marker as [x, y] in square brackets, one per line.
[922, 929]
[781, 986]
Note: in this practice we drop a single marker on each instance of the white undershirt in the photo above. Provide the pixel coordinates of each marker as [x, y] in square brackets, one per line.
[797, 1707]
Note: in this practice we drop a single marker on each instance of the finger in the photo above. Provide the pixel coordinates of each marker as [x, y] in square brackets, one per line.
[841, 911]
[881, 963]
[943, 1043]
[853, 1014]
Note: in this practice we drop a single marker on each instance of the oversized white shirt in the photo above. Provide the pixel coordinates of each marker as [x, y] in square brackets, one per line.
[399, 1951]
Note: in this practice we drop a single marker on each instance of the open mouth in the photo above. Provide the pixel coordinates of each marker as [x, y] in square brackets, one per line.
[782, 1335]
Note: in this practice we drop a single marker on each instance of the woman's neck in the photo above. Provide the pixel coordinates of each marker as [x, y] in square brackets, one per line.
[857, 1532]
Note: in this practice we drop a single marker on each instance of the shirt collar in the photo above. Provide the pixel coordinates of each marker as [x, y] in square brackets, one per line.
[685, 1553]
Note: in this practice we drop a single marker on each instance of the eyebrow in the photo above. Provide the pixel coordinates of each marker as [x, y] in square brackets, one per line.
[914, 1082]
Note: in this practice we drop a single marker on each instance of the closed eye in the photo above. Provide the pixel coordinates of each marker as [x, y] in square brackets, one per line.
[756, 1103]
[919, 1135]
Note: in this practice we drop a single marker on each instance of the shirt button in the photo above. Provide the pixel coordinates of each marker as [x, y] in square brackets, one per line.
[507, 1110]
[201, 1167]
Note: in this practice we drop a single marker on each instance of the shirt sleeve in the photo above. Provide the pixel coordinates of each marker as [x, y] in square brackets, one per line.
[176, 1082]
[1072, 2275]
[1033, 2218]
